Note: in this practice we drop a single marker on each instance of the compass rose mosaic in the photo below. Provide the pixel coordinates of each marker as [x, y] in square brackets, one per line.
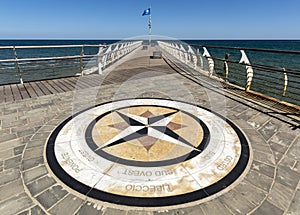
[147, 152]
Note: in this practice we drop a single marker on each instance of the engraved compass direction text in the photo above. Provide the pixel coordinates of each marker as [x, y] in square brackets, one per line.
[152, 126]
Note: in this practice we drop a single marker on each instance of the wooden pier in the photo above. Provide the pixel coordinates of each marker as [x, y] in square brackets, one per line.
[31, 112]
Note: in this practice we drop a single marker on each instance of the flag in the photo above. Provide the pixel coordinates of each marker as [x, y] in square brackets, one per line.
[146, 12]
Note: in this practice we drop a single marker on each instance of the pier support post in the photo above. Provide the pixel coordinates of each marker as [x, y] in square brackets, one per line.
[226, 69]
[210, 61]
[81, 63]
[17, 65]
[249, 70]
[285, 82]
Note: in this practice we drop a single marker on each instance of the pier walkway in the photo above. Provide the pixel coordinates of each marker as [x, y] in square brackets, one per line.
[260, 176]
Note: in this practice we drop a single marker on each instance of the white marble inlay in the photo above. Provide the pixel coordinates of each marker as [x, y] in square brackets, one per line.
[83, 164]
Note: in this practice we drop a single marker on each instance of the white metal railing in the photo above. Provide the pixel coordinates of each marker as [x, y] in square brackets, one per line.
[34, 66]
[281, 83]
[114, 52]
[185, 55]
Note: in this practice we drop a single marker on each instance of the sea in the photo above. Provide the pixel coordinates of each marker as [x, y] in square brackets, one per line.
[265, 81]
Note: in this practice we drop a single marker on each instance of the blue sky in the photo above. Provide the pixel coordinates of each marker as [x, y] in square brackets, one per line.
[118, 19]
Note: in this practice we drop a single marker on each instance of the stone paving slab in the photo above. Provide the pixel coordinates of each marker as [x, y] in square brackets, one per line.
[271, 186]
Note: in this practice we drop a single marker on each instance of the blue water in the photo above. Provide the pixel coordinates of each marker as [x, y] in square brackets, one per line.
[237, 74]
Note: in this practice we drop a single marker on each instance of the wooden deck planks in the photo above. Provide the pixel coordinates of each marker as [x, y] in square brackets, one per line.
[16, 93]
[30, 90]
[8, 95]
[23, 91]
[58, 86]
[50, 87]
[2, 99]
[67, 86]
[36, 88]
[43, 88]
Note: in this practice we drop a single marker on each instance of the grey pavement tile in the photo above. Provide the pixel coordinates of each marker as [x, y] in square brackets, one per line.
[259, 180]
[4, 145]
[267, 158]
[255, 137]
[287, 176]
[267, 208]
[5, 154]
[11, 124]
[1, 166]
[263, 168]
[250, 192]
[36, 143]
[283, 138]
[215, 207]
[259, 120]
[236, 202]
[288, 162]
[294, 150]
[269, 129]
[7, 137]
[36, 210]
[194, 210]
[11, 189]
[41, 136]
[30, 163]
[13, 162]
[26, 132]
[280, 195]
[67, 206]
[90, 209]
[295, 204]
[19, 150]
[24, 212]
[297, 167]
[40, 184]
[275, 147]
[264, 148]
[33, 153]
[248, 114]
[47, 128]
[112, 211]
[51, 196]
[9, 176]
[278, 156]
[34, 173]
[139, 212]
[16, 204]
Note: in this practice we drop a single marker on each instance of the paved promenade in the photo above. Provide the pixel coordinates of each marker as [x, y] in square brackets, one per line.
[270, 183]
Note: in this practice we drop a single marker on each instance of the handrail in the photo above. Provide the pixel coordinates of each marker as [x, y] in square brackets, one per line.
[249, 49]
[51, 46]
[47, 58]
[73, 64]
[253, 77]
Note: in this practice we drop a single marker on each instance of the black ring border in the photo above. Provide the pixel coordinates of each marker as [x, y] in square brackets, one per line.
[232, 176]
[201, 146]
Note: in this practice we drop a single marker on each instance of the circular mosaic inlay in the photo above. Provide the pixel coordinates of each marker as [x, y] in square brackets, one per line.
[147, 152]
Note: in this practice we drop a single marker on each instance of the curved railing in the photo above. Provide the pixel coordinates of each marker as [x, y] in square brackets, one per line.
[84, 59]
[282, 83]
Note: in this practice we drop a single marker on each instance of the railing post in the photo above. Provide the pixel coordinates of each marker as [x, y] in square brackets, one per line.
[17, 65]
[285, 82]
[99, 59]
[200, 58]
[81, 63]
[210, 61]
[249, 70]
[226, 66]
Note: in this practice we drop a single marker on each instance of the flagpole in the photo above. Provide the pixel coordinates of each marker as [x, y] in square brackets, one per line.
[150, 26]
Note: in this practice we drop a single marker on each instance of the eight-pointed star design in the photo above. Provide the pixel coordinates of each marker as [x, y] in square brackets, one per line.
[147, 127]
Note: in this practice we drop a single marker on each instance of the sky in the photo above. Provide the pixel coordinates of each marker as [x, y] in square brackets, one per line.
[119, 19]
